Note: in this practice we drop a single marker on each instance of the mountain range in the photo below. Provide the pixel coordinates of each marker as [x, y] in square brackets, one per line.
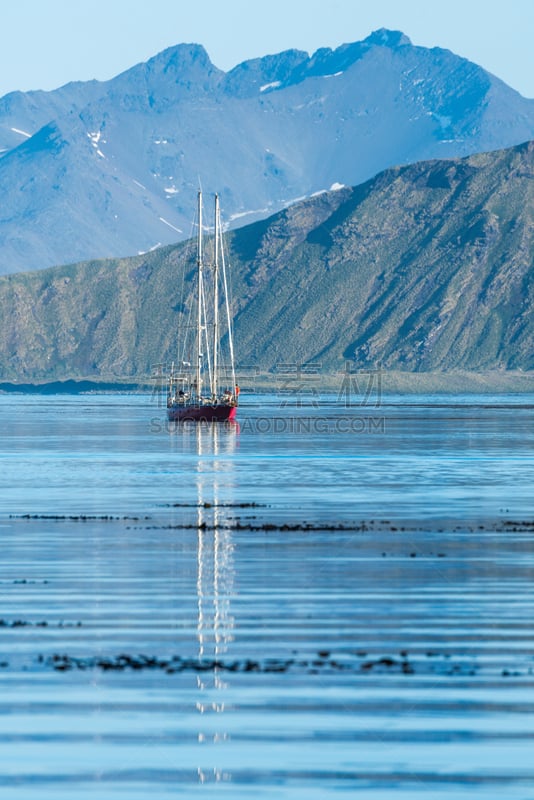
[107, 169]
[424, 267]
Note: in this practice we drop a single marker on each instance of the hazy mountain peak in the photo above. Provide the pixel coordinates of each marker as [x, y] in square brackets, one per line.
[183, 70]
[294, 66]
[387, 38]
[270, 71]
[326, 61]
[271, 130]
[179, 59]
[185, 66]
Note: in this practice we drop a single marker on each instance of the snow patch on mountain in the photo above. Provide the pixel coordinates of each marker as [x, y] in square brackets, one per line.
[96, 138]
[267, 86]
[166, 222]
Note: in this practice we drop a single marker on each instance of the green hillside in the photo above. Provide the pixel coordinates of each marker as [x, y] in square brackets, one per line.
[427, 267]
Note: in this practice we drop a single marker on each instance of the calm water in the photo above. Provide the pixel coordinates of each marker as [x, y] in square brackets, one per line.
[319, 601]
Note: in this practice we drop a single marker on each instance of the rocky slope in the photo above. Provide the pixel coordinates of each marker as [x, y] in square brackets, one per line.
[425, 267]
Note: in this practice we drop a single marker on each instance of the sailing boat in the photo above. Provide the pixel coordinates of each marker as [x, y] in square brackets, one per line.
[204, 389]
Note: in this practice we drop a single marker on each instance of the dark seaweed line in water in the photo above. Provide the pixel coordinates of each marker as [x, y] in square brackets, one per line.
[215, 505]
[361, 527]
[23, 623]
[356, 663]
[77, 517]
[512, 526]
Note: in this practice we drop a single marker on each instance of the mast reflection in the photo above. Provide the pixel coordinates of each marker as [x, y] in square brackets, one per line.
[215, 444]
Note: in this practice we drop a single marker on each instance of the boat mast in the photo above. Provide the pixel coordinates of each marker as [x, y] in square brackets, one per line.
[215, 387]
[200, 297]
[228, 317]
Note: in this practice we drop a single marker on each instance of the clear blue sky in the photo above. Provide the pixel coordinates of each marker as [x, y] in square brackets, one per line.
[46, 43]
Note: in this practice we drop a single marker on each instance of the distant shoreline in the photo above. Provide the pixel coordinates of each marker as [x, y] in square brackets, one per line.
[384, 382]
[70, 386]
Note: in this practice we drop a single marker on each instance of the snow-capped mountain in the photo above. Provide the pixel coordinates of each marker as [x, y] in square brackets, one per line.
[111, 168]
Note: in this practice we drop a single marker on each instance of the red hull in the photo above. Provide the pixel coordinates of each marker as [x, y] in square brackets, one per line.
[207, 413]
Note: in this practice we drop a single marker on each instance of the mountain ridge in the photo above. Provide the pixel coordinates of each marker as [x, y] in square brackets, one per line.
[266, 133]
[423, 268]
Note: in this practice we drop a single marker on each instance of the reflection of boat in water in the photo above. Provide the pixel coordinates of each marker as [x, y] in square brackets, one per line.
[208, 510]
[215, 580]
[204, 388]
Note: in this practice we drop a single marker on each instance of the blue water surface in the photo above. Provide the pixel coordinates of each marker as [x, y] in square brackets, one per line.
[328, 598]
